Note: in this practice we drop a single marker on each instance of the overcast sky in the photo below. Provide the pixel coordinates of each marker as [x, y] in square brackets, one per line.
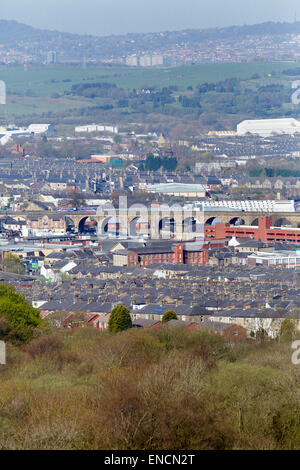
[105, 17]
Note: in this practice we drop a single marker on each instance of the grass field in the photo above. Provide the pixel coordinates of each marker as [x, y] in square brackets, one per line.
[47, 80]
[43, 81]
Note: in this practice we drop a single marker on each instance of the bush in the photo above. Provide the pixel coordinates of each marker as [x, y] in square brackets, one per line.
[287, 330]
[22, 319]
[45, 345]
[4, 328]
[163, 409]
[12, 264]
[150, 389]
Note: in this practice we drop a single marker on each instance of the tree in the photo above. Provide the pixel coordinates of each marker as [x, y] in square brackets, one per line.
[65, 277]
[169, 315]
[152, 163]
[169, 164]
[287, 330]
[12, 264]
[45, 150]
[18, 318]
[261, 334]
[119, 319]
[77, 199]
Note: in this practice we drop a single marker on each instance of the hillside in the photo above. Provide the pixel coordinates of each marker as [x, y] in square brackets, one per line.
[13, 31]
[204, 96]
[150, 389]
[34, 43]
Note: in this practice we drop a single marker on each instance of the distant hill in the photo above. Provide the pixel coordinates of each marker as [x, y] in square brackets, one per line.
[34, 43]
[12, 32]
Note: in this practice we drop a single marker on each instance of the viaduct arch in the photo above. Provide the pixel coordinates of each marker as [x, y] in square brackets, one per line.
[180, 219]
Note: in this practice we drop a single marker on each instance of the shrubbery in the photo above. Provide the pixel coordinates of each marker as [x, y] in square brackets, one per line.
[18, 319]
[165, 388]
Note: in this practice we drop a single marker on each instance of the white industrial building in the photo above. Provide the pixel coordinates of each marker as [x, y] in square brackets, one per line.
[269, 127]
[8, 133]
[97, 128]
[132, 61]
[287, 259]
[145, 60]
[264, 206]
[39, 128]
[177, 189]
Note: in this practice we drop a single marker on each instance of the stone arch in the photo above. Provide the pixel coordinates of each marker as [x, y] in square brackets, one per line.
[167, 226]
[70, 225]
[192, 225]
[213, 221]
[282, 222]
[189, 225]
[138, 220]
[139, 225]
[88, 224]
[237, 221]
[110, 225]
[254, 222]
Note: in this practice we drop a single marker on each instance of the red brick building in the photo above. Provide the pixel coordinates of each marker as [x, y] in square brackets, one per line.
[264, 232]
[232, 333]
[169, 254]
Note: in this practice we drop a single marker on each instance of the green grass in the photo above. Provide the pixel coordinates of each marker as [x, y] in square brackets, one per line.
[44, 81]
[20, 106]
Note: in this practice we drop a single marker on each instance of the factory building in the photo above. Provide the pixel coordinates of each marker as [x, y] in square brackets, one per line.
[177, 189]
[269, 127]
[145, 60]
[97, 128]
[132, 61]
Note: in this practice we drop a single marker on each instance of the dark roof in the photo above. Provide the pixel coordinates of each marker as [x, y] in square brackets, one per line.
[153, 250]
[177, 323]
[214, 325]
[144, 323]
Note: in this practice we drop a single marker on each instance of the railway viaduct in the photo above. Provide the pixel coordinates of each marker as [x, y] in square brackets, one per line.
[182, 219]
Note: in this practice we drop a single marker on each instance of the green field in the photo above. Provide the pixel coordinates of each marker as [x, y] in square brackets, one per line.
[44, 81]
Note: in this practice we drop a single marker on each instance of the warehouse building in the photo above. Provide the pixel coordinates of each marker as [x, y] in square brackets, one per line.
[287, 259]
[269, 127]
[178, 189]
[274, 205]
[97, 128]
